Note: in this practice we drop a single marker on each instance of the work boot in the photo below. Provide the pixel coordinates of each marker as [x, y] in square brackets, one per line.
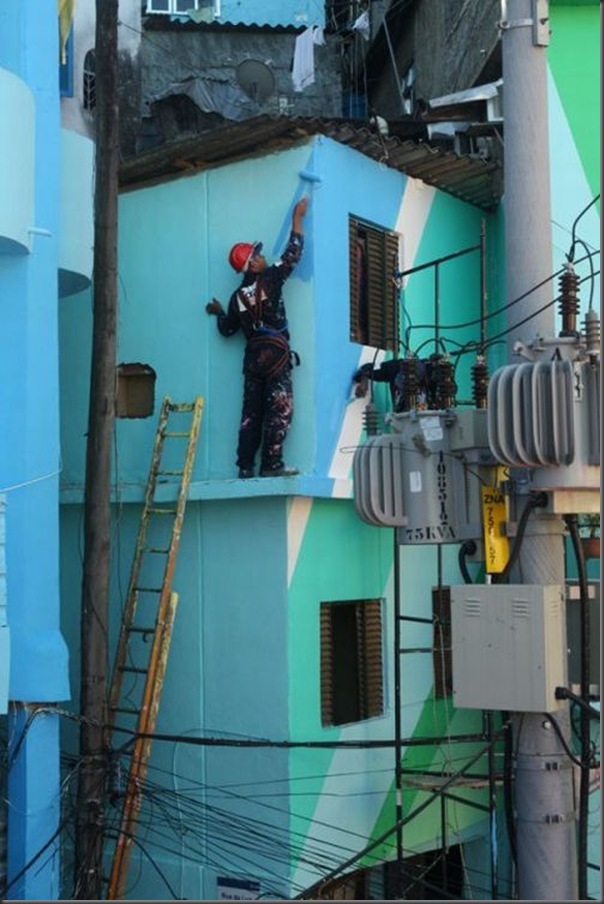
[246, 473]
[283, 471]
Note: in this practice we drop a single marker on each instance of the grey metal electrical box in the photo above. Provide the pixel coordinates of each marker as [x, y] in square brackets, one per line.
[509, 646]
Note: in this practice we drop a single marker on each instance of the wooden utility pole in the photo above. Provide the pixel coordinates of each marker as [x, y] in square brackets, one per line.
[101, 419]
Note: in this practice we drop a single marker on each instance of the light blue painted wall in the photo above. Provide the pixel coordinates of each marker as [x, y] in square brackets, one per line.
[34, 792]
[17, 171]
[13, 18]
[30, 459]
[4, 631]
[77, 205]
[30, 455]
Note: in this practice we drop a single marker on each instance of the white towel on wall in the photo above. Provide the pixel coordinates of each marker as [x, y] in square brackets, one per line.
[303, 70]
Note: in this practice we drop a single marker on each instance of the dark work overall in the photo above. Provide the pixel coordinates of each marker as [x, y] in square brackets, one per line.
[267, 401]
[257, 308]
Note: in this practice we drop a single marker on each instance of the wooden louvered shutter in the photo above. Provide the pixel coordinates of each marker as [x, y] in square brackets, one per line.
[355, 281]
[392, 312]
[382, 260]
[369, 636]
[373, 256]
[327, 717]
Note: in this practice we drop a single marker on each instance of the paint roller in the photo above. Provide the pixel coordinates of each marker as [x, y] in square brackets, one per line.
[309, 177]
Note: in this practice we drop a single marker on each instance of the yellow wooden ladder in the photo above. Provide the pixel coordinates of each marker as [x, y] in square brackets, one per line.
[148, 616]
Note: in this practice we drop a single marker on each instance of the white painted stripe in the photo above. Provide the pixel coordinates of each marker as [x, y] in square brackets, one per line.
[412, 217]
[352, 425]
[571, 193]
[297, 519]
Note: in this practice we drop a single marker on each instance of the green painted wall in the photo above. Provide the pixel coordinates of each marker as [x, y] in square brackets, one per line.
[574, 61]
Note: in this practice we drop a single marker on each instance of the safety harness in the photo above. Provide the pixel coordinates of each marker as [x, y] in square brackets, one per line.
[272, 335]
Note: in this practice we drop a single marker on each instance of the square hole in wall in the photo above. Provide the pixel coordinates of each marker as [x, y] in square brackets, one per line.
[135, 390]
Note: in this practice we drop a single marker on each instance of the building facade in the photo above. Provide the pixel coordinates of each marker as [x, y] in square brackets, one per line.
[275, 771]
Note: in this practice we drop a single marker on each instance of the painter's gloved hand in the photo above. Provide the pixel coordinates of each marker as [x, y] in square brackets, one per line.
[214, 307]
[361, 378]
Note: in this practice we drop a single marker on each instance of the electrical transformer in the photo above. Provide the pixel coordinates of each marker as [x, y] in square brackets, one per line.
[424, 477]
[545, 415]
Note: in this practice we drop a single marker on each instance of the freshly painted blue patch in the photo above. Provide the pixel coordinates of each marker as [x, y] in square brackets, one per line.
[351, 184]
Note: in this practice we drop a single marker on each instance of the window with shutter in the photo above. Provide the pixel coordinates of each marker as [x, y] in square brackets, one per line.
[374, 258]
[352, 681]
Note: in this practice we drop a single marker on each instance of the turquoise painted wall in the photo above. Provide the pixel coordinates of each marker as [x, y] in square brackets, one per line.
[347, 795]
[174, 241]
[257, 558]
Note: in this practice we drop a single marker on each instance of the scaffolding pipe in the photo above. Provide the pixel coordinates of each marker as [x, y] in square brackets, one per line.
[584, 716]
[483, 285]
[308, 893]
[397, 716]
[436, 310]
[443, 836]
[492, 808]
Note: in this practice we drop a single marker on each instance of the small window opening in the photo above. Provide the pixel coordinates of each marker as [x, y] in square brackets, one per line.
[135, 390]
[352, 682]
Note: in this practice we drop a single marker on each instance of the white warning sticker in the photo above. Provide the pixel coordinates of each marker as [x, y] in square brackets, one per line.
[415, 481]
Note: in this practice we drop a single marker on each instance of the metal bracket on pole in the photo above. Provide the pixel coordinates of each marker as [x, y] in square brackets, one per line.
[539, 22]
[541, 30]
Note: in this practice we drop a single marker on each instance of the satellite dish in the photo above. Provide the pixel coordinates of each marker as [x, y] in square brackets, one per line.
[256, 79]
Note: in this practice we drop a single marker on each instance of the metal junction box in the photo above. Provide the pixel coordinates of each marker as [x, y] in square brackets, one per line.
[509, 647]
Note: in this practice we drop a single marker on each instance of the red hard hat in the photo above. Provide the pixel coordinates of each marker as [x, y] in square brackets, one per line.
[240, 254]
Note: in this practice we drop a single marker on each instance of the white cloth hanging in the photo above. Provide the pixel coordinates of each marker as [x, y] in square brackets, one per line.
[362, 25]
[303, 70]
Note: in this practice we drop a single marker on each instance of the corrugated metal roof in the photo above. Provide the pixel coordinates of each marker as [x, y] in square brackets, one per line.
[471, 179]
